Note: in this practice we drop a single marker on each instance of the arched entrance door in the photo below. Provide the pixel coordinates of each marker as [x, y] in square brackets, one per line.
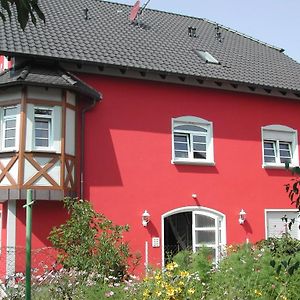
[191, 228]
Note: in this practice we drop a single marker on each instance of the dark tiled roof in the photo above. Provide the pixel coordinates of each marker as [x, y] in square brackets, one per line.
[107, 37]
[50, 76]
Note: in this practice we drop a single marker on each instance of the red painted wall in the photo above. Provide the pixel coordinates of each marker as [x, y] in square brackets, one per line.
[45, 215]
[128, 156]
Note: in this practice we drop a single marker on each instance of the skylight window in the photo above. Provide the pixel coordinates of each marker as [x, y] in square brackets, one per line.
[207, 57]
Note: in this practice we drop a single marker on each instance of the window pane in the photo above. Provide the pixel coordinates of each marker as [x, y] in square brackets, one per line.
[199, 139]
[41, 133]
[269, 152]
[204, 221]
[10, 123]
[190, 128]
[181, 154]
[45, 112]
[10, 111]
[285, 159]
[285, 153]
[269, 159]
[203, 237]
[269, 145]
[199, 147]
[200, 155]
[41, 124]
[9, 143]
[11, 133]
[180, 138]
[41, 142]
[284, 146]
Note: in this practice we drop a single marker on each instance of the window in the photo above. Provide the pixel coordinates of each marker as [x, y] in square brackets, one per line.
[280, 146]
[276, 227]
[192, 228]
[42, 127]
[192, 141]
[207, 57]
[9, 126]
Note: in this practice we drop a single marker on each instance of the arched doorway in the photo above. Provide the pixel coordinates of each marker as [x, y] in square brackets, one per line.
[192, 227]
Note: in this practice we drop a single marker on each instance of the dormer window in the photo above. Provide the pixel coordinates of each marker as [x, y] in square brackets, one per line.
[42, 127]
[207, 57]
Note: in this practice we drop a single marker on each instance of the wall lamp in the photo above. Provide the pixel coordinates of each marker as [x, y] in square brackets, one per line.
[242, 217]
[145, 218]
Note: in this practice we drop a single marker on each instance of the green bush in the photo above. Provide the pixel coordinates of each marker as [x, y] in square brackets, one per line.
[286, 245]
[89, 241]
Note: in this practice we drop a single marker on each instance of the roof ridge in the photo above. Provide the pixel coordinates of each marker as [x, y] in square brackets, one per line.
[245, 35]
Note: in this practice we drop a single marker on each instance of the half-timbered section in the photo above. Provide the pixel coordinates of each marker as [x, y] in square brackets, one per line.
[38, 140]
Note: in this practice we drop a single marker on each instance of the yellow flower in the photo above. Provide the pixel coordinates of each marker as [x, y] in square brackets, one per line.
[170, 292]
[258, 293]
[158, 293]
[184, 274]
[191, 291]
[283, 297]
[146, 293]
[181, 283]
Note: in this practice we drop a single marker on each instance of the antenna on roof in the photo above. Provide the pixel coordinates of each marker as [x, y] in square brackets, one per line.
[137, 11]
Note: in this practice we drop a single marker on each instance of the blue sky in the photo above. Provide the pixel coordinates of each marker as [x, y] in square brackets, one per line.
[276, 22]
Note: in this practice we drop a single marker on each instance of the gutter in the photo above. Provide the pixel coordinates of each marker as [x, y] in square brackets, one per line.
[87, 108]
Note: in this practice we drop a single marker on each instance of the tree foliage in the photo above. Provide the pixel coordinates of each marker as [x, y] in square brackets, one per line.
[26, 9]
[90, 242]
[293, 190]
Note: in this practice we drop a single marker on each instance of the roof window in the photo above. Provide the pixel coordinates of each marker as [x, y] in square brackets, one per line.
[207, 57]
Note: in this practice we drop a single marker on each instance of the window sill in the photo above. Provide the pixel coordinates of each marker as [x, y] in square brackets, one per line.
[275, 166]
[44, 151]
[193, 162]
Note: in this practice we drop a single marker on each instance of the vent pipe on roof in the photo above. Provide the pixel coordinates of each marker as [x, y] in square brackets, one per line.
[86, 14]
[192, 31]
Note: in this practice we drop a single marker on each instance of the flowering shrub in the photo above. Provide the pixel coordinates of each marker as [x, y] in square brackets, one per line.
[247, 272]
[172, 283]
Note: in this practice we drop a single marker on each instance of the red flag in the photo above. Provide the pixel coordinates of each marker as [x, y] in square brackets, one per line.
[134, 11]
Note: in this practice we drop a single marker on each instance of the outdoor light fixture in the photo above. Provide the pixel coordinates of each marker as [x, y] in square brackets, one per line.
[145, 218]
[194, 196]
[242, 217]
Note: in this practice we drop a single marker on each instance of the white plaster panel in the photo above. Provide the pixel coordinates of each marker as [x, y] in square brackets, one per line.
[71, 98]
[57, 129]
[42, 161]
[70, 132]
[42, 181]
[14, 171]
[11, 94]
[42, 93]
[29, 170]
[5, 161]
[5, 181]
[54, 172]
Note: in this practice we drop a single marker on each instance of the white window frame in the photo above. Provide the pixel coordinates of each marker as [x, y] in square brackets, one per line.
[190, 120]
[50, 127]
[282, 212]
[4, 119]
[280, 134]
